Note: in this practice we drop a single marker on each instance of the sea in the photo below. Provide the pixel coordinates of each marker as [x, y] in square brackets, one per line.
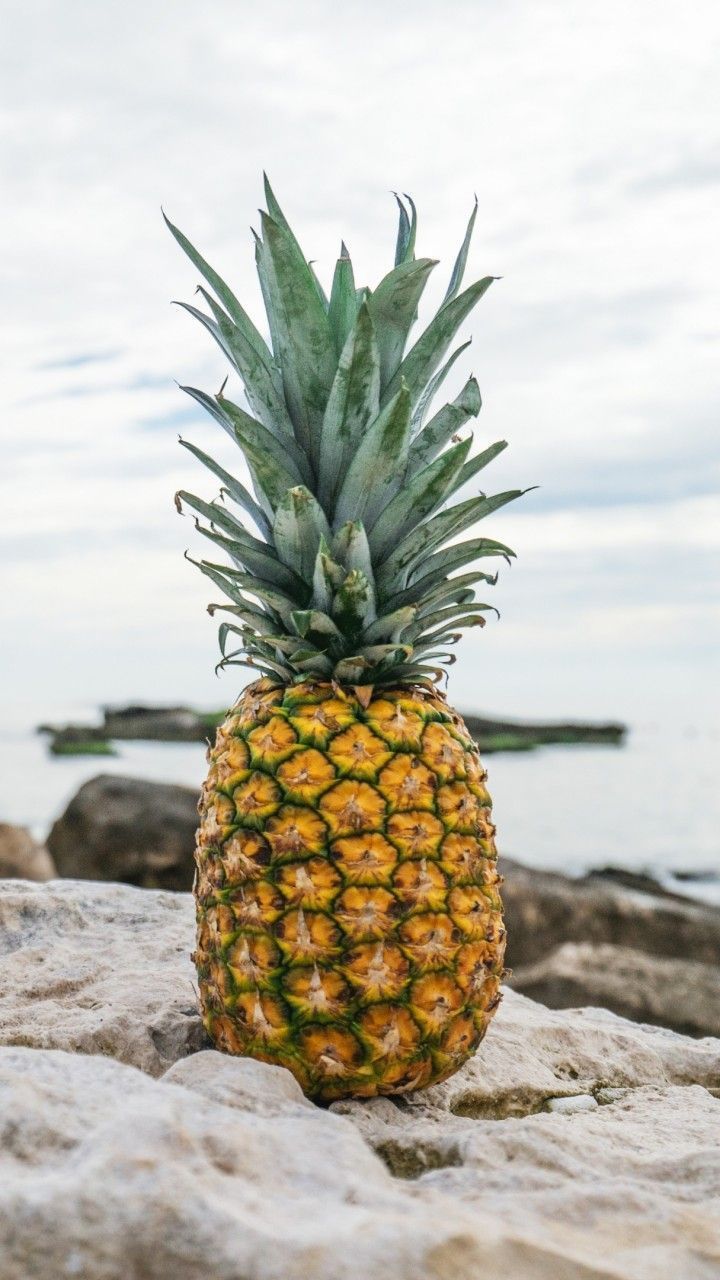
[651, 805]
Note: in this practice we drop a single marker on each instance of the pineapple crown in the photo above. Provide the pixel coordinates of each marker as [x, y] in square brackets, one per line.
[341, 556]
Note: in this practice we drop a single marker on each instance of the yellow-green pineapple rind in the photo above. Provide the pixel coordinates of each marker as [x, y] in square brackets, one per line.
[349, 918]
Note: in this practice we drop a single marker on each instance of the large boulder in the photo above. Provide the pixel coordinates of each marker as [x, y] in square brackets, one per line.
[544, 910]
[682, 994]
[572, 1145]
[22, 857]
[127, 829]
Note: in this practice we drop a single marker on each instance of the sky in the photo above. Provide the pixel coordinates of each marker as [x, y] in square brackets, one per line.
[590, 133]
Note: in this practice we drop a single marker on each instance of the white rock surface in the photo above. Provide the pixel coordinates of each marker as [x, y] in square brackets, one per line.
[678, 993]
[221, 1170]
[98, 968]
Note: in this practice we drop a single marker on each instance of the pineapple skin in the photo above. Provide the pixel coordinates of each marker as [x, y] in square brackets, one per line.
[349, 921]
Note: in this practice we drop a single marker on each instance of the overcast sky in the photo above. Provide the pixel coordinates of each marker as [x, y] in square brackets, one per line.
[590, 132]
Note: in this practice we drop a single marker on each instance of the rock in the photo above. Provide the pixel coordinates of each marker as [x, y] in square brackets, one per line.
[544, 910]
[126, 829]
[626, 1190]
[485, 731]
[681, 994]
[158, 724]
[22, 857]
[569, 1106]
[640, 880]
[532, 1055]
[222, 1168]
[96, 968]
[164, 724]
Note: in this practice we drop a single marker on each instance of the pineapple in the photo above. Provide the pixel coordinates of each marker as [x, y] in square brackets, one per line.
[349, 923]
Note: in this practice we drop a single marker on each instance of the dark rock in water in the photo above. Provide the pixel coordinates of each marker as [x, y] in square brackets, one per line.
[71, 742]
[126, 829]
[543, 910]
[22, 857]
[163, 724]
[681, 994]
[516, 733]
[77, 740]
[639, 880]
[136, 723]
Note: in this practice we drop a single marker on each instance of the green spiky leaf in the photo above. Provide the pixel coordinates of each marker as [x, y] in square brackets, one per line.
[418, 498]
[235, 489]
[306, 353]
[376, 462]
[355, 506]
[353, 403]
[433, 387]
[227, 298]
[458, 270]
[343, 306]
[443, 426]
[438, 530]
[299, 528]
[393, 307]
[407, 231]
[424, 357]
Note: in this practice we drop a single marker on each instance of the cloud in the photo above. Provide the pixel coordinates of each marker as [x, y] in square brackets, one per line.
[77, 360]
[585, 132]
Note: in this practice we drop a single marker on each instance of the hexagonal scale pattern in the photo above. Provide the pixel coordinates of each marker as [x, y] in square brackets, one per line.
[349, 917]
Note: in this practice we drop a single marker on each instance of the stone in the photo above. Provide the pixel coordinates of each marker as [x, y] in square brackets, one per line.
[574, 1145]
[130, 830]
[487, 732]
[681, 994]
[221, 1168]
[532, 1055]
[98, 968]
[22, 857]
[544, 910]
[568, 1106]
[165, 724]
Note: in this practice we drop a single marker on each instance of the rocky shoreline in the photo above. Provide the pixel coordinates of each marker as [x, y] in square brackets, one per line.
[575, 1145]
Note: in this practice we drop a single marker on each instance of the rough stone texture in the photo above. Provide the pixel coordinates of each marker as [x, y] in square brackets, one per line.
[97, 968]
[533, 1054]
[22, 857]
[221, 1168]
[543, 910]
[126, 829]
[681, 994]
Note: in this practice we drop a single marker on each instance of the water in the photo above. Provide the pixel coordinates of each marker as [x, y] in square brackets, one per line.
[652, 805]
